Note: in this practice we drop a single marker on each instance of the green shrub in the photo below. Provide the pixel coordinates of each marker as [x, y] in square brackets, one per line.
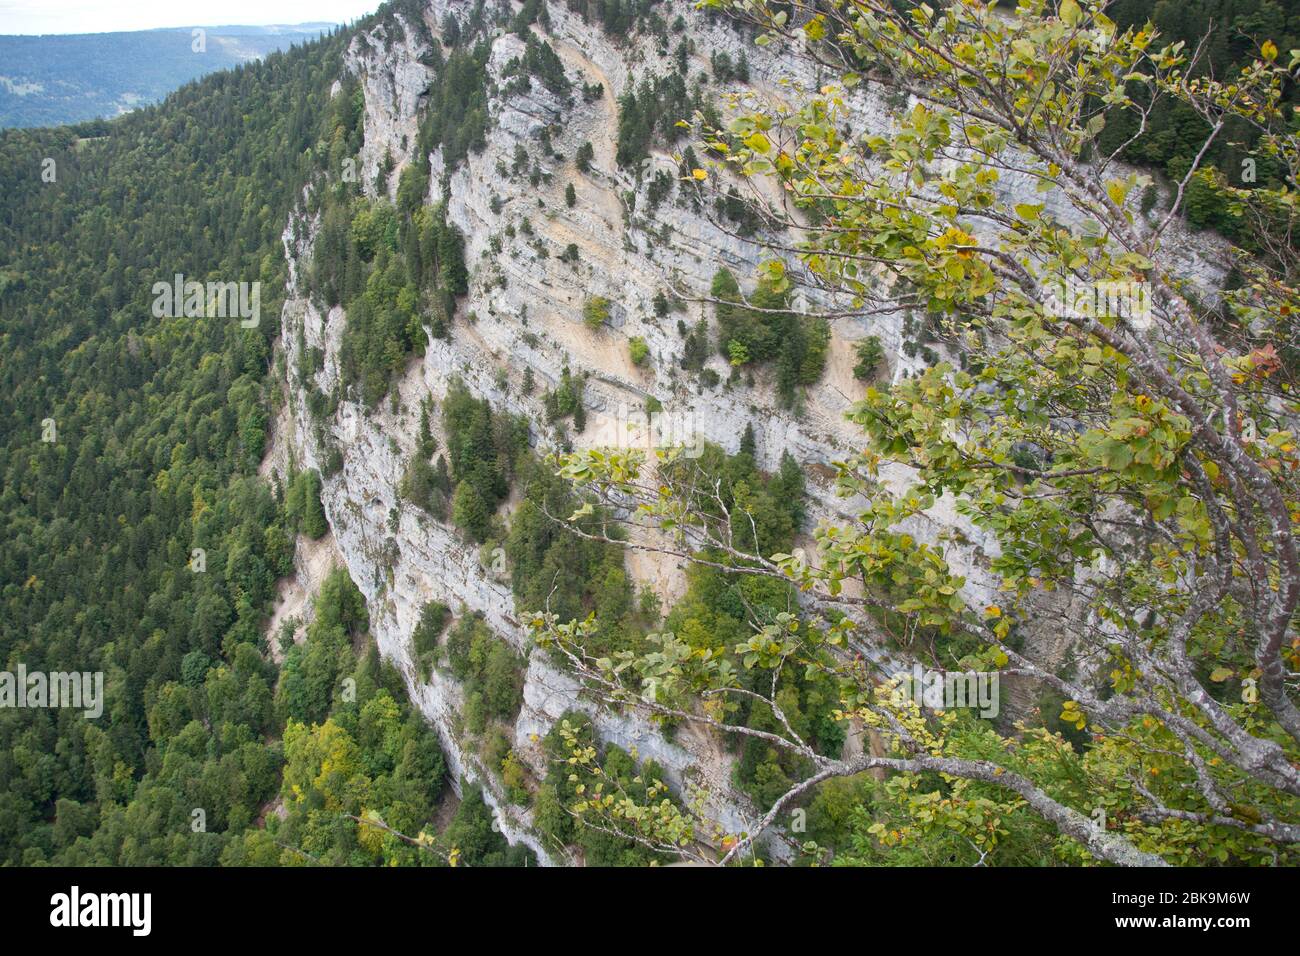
[490, 669]
[763, 330]
[584, 157]
[638, 350]
[595, 312]
[476, 840]
[550, 566]
[558, 793]
[303, 505]
[482, 447]
[870, 354]
[433, 618]
[566, 399]
[427, 486]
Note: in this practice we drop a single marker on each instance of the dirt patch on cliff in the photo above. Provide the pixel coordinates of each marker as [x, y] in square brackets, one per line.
[313, 561]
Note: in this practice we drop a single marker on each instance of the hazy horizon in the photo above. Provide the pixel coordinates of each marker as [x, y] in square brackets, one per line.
[64, 17]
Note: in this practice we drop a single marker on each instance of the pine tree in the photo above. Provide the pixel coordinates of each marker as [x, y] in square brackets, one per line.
[747, 444]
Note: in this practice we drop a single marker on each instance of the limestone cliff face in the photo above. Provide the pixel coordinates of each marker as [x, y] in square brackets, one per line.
[523, 312]
[387, 62]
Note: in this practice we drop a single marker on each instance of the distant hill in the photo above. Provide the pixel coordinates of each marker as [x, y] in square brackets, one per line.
[55, 79]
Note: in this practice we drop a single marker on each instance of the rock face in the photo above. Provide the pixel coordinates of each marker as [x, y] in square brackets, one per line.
[393, 81]
[524, 312]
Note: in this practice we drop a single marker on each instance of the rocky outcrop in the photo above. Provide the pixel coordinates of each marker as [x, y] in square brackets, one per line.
[387, 60]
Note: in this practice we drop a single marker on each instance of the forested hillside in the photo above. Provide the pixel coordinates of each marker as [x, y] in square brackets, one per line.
[139, 540]
[1222, 36]
[71, 78]
[157, 429]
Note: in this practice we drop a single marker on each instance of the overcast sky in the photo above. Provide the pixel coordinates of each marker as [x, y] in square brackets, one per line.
[103, 16]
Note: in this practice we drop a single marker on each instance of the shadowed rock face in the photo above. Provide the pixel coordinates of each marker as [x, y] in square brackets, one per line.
[526, 311]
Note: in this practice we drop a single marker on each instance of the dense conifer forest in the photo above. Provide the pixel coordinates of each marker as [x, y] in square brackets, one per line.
[139, 539]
